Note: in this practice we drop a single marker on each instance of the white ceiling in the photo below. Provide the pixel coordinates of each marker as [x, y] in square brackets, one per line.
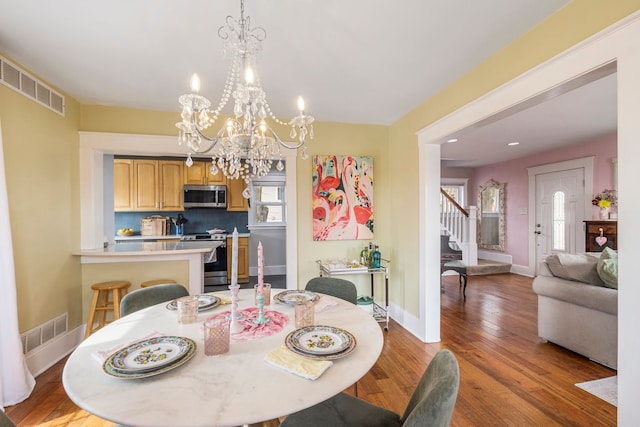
[579, 111]
[356, 61]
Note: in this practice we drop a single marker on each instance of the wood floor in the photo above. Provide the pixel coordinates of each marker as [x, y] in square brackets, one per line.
[508, 376]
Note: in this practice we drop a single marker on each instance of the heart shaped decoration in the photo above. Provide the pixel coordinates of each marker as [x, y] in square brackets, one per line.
[601, 240]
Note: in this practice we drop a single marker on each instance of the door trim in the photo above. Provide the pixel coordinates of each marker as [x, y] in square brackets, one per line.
[585, 163]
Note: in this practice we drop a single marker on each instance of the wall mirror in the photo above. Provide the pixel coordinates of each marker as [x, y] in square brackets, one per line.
[491, 218]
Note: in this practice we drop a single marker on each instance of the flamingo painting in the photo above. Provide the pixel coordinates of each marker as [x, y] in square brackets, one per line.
[342, 199]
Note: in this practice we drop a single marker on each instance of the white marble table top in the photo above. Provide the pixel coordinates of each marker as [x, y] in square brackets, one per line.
[229, 390]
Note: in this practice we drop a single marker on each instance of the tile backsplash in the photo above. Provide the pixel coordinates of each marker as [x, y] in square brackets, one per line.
[198, 220]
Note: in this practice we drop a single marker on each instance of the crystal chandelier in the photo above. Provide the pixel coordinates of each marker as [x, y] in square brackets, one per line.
[245, 146]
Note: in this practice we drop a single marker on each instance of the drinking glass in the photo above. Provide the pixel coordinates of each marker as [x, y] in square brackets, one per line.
[305, 311]
[266, 291]
[216, 336]
[187, 309]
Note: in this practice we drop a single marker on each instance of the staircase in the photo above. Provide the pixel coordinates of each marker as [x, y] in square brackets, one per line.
[460, 226]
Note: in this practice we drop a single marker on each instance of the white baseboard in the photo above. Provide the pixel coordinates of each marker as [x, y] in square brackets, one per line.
[407, 320]
[522, 270]
[48, 354]
[494, 256]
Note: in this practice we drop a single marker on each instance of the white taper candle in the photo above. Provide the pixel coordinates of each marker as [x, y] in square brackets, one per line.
[234, 257]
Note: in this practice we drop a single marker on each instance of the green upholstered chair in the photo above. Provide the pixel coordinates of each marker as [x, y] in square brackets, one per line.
[430, 405]
[5, 421]
[146, 297]
[338, 288]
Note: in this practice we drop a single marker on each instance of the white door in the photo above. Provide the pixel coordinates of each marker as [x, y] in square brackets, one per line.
[559, 213]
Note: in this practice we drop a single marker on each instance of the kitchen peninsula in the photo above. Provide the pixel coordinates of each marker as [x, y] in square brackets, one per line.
[192, 252]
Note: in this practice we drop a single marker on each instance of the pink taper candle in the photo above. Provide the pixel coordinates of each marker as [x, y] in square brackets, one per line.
[260, 268]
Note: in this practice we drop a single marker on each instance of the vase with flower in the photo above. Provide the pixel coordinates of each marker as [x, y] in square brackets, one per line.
[604, 200]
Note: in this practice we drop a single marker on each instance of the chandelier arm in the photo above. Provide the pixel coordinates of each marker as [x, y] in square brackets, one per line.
[213, 140]
[278, 140]
[291, 147]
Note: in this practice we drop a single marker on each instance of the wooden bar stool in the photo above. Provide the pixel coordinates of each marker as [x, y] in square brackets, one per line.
[101, 302]
[156, 282]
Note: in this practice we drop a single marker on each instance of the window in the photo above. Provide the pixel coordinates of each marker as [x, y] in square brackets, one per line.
[456, 192]
[559, 222]
[268, 204]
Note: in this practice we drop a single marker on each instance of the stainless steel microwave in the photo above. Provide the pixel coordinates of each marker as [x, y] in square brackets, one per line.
[205, 196]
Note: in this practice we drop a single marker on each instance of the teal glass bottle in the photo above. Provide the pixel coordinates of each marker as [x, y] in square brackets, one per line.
[376, 258]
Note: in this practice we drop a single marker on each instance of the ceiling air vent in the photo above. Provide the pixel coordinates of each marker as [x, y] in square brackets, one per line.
[19, 80]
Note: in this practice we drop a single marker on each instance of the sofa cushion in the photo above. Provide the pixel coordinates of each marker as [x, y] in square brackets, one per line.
[576, 267]
[608, 268]
[597, 298]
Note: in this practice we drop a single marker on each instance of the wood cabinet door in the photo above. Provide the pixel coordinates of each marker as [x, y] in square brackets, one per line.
[170, 185]
[196, 174]
[243, 259]
[145, 173]
[123, 188]
[200, 174]
[235, 199]
[217, 179]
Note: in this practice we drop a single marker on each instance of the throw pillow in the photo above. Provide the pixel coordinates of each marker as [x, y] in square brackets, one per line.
[608, 268]
[576, 267]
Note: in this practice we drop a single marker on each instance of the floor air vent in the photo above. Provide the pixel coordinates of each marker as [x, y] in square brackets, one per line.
[20, 81]
[41, 334]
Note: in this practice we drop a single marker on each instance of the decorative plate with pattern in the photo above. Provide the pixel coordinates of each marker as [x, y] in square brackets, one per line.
[205, 302]
[292, 296]
[190, 350]
[320, 340]
[333, 356]
[149, 354]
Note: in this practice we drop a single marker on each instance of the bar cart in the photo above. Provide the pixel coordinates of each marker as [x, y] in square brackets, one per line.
[380, 312]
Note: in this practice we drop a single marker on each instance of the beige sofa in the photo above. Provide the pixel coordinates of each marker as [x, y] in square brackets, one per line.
[577, 310]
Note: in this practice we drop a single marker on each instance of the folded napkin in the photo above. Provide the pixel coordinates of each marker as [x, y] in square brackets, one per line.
[324, 304]
[102, 355]
[283, 358]
[224, 300]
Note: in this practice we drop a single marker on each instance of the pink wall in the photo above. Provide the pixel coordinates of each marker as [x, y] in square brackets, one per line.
[514, 175]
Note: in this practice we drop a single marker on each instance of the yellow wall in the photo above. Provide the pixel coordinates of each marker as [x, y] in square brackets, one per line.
[573, 23]
[41, 162]
[41, 152]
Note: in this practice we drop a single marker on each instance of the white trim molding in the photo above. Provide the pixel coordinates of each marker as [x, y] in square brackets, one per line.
[619, 43]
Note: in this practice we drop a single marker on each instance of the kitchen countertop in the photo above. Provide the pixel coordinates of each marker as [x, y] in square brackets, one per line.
[138, 237]
[150, 248]
[139, 251]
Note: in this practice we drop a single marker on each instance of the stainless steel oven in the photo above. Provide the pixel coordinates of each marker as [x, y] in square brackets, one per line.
[214, 267]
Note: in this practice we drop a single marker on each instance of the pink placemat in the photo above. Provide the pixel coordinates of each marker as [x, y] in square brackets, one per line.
[251, 330]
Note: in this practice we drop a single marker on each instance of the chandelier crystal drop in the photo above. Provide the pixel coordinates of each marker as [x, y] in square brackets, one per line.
[245, 146]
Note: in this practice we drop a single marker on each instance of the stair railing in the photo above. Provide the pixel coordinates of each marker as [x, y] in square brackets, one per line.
[460, 224]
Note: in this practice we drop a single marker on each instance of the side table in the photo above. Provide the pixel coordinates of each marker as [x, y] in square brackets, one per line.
[380, 313]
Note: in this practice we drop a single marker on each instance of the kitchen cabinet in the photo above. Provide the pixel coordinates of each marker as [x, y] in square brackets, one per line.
[243, 259]
[235, 199]
[171, 185]
[148, 185]
[123, 185]
[145, 185]
[200, 174]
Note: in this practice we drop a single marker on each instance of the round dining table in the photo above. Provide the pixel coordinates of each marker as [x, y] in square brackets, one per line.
[232, 389]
